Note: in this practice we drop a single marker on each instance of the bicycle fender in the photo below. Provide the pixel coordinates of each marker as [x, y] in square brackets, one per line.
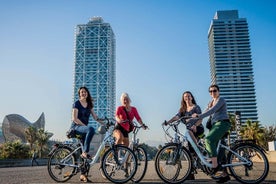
[176, 144]
[247, 142]
[171, 144]
[56, 146]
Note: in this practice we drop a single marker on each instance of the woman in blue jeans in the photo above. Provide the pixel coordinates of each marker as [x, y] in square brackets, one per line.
[82, 109]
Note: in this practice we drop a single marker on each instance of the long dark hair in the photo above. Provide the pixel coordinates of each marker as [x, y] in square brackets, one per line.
[89, 99]
[183, 106]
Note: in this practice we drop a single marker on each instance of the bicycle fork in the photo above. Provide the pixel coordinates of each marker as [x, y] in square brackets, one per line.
[174, 155]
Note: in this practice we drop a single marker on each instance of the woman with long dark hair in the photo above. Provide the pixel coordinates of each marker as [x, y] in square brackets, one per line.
[189, 107]
[82, 109]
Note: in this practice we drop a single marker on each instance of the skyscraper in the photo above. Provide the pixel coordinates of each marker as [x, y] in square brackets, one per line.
[95, 65]
[231, 63]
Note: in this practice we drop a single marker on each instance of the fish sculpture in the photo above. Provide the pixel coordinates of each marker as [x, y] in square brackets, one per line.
[15, 125]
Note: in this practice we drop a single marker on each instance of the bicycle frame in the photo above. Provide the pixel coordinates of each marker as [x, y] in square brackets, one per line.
[204, 159]
[134, 141]
[108, 140]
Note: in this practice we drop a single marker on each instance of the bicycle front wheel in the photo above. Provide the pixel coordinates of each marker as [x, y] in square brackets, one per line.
[119, 164]
[257, 168]
[142, 160]
[173, 165]
[60, 164]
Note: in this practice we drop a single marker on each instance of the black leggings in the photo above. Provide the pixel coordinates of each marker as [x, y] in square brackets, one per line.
[123, 131]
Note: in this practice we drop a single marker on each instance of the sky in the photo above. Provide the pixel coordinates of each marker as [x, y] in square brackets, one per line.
[161, 51]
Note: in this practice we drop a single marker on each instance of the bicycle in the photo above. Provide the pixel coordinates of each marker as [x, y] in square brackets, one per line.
[140, 153]
[246, 161]
[118, 163]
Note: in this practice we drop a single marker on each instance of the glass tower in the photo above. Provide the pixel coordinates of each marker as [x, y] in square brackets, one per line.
[95, 65]
[231, 64]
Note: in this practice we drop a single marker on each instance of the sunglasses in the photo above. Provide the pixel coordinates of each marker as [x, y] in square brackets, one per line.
[213, 91]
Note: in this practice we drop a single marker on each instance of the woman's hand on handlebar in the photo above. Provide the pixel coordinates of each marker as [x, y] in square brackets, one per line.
[144, 126]
[165, 123]
[195, 115]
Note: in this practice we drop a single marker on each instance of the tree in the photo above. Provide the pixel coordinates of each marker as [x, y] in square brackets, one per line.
[42, 140]
[14, 150]
[254, 131]
[270, 133]
[151, 151]
[232, 119]
[31, 136]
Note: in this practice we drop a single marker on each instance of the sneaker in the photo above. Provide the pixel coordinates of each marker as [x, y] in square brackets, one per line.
[223, 179]
[215, 170]
[191, 177]
[84, 179]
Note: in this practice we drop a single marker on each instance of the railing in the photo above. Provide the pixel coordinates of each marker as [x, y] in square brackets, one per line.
[22, 162]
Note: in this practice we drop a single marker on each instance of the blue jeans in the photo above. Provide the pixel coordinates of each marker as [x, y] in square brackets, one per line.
[87, 132]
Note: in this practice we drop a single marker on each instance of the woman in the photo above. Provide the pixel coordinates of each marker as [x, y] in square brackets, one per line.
[188, 108]
[82, 109]
[124, 116]
[217, 108]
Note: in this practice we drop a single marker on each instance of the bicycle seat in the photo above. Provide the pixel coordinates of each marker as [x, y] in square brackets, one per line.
[102, 129]
[72, 134]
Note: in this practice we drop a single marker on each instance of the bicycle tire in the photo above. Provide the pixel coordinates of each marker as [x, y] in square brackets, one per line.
[257, 171]
[142, 160]
[102, 153]
[57, 170]
[171, 170]
[113, 170]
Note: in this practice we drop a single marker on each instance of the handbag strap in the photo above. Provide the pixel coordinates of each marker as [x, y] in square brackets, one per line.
[127, 114]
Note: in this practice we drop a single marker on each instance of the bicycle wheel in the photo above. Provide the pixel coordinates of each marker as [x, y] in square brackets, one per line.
[173, 165]
[256, 171]
[142, 160]
[60, 164]
[119, 164]
[102, 153]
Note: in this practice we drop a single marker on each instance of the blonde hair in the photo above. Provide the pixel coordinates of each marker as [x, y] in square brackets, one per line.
[125, 95]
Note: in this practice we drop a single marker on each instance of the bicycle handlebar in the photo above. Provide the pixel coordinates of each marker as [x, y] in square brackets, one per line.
[136, 125]
[174, 124]
[109, 122]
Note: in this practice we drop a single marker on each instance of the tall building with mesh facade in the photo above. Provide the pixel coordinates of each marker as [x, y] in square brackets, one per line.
[231, 63]
[94, 65]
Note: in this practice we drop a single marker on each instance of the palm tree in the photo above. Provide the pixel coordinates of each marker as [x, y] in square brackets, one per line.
[253, 131]
[31, 136]
[42, 140]
[270, 133]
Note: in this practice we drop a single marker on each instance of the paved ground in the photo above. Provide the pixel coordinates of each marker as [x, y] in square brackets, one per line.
[39, 175]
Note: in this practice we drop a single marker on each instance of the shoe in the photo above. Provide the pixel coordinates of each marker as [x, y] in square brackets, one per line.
[215, 170]
[191, 177]
[85, 156]
[84, 179]
[223, 179]
[126, 173]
